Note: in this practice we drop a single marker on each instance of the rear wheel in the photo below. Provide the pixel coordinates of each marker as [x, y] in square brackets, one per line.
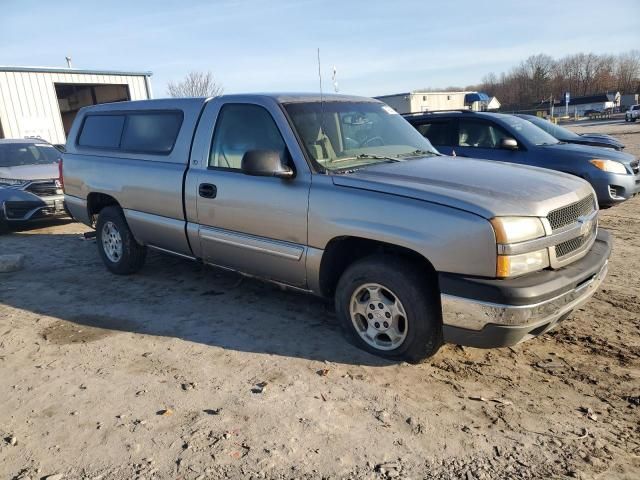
[118, 249]
[389, 307]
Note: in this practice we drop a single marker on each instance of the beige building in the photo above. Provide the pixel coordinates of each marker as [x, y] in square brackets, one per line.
[42, 102]
[422, 101]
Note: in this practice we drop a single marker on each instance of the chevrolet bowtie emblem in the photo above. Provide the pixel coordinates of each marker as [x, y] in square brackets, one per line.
[586, 224]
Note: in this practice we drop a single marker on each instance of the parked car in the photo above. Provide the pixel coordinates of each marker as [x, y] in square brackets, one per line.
[30, 184]
[632, 114]
[615, 176]
[339, 196]
[565, 135]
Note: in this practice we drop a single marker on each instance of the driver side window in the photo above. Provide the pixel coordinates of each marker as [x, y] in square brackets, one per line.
[240, 128]
[473, 133]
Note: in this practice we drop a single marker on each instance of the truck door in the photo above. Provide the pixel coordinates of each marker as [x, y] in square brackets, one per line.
[256, 225]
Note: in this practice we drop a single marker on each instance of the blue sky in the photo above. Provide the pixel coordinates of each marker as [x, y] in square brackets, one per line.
[378, 47]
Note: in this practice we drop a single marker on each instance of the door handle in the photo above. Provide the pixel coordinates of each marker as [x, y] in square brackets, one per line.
[207, 190]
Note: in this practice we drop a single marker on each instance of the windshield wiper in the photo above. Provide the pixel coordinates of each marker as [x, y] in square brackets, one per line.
[416, 153]
[378, 157]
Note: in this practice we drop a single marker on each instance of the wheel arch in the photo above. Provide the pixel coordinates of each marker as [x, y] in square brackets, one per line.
[341, 252]
[96, 201]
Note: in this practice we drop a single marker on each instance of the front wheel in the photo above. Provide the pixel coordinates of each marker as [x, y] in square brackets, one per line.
[390, 308]
[118, 249]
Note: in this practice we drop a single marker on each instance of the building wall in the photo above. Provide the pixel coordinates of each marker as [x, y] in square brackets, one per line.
[627, 100]
[29, 105]
[431, 101]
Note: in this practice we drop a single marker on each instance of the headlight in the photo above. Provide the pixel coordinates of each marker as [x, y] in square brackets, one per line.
[511, 230]
[517, 229]
[12, 181]
[515, 265]
[609, 166]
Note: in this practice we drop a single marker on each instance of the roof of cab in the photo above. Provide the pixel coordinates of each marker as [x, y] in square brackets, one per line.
[198, 102]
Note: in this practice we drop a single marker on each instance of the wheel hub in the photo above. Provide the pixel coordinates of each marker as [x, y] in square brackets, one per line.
[111, 242]
[378, 316]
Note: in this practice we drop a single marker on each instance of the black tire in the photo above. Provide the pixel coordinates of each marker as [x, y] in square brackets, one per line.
[133, 254]
[417, 293]
[4, 228]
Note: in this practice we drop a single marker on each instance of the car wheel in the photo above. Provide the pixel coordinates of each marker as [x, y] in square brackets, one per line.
[4, 228]
[388, 307]
[118, 249]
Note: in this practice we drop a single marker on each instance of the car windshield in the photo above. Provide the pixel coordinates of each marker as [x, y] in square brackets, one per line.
[19, 154]
[552, 129]
[347, 135]
[530, 132]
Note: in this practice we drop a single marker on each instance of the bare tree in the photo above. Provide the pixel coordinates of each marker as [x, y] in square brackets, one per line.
[628, 72]
[196, 84]
[540, 77]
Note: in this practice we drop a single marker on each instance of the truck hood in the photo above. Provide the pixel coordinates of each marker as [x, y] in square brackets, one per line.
[483, 187]
[45, 171]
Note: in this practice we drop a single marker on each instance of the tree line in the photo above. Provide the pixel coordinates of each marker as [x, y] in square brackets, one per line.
[541, 77]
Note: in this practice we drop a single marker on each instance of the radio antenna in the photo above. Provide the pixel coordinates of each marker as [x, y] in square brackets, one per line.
[321, 96]
[319, 74]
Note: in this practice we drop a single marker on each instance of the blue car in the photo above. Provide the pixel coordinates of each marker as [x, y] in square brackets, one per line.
[615, 176]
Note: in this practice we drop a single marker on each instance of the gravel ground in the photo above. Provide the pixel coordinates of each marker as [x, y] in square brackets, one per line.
[187, 372]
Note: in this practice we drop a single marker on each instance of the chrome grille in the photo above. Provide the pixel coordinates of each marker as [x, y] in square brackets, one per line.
[561, 217]
[44, 189]
[635, 166]
[570, 246]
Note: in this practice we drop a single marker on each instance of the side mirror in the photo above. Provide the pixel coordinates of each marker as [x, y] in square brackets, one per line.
[265, 163]
[509, 144]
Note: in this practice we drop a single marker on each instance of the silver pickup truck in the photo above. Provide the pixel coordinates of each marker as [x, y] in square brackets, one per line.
[340, 197]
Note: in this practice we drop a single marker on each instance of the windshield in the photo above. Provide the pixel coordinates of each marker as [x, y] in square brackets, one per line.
[19, 154]
[529, 131]
[347, 135]
[552, 129]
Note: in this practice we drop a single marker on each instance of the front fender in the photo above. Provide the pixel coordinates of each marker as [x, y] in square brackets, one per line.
[452, 240]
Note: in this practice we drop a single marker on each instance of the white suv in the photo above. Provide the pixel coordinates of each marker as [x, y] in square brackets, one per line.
[632, 114]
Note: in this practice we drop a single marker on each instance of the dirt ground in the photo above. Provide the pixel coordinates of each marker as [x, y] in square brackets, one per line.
[188, 372]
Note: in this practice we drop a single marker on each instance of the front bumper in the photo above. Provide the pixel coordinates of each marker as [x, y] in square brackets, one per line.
[497, 313]
[34, 208]
[613, 188]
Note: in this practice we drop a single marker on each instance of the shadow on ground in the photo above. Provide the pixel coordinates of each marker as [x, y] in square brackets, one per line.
[171, 297]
